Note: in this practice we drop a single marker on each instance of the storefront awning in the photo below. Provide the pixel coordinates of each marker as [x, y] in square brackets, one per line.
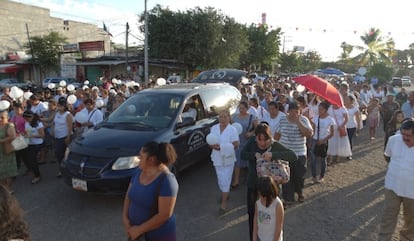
[102, 62]
[9, 68]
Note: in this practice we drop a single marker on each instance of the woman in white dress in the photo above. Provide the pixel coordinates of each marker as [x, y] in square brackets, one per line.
[338, 146]
[223, 155]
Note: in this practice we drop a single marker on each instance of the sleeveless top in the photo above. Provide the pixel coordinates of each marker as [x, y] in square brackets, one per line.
[61, 127]
[266, 220]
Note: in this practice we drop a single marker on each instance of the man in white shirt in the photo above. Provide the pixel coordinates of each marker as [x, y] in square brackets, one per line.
[37, 107]
[399, 182]
[273, 117]
[94, 115]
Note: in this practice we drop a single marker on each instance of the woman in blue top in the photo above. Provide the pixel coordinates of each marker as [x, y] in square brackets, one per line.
[151, 196]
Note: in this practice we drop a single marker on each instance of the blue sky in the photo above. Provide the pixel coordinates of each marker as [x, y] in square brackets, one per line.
[319, 25]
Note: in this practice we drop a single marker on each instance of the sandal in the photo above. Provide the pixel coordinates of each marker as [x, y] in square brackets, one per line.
[301, 198]
[35, 180]
[234, 186]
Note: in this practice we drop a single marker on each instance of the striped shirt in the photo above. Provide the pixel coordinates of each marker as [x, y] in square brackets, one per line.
[291, 137]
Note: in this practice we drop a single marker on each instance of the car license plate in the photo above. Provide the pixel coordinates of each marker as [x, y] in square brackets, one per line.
[80, 185]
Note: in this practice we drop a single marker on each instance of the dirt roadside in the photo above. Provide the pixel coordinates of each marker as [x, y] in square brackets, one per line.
[348, 205]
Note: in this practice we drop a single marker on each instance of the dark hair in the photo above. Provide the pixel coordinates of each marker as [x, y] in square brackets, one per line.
[164, 152]
[301, 99]
[36, 119]
[408, 124]
[12, 225]
[245, 104]
[267, 188]
[254, 100]
[325, 105]
[89, 101]
[273, 103]
[263, 129]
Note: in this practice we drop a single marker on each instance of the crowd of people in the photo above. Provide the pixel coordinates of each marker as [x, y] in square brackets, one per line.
[47, 120]
[278, 122]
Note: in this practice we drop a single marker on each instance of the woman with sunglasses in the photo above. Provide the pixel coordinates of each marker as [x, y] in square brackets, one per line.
[262, 145]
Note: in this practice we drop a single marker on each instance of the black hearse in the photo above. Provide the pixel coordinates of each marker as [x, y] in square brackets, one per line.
[104, 158]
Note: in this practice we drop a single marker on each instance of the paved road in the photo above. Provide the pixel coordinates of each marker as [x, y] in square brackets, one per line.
[344, 208]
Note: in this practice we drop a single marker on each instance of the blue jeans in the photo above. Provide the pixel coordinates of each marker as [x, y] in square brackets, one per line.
[314, 160]
[60, 148]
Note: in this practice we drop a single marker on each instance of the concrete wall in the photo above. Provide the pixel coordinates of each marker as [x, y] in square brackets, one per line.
[14, 17]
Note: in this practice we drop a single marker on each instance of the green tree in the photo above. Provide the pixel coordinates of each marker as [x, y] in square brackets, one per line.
[46, 51]
[377, 49]
[383, 72]
[263, 48]
[289, 62]
[198, 37]
[310, 61]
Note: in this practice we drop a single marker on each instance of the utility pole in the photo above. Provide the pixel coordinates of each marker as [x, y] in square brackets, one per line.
[126, 49]
[146, 45]
[31, 51]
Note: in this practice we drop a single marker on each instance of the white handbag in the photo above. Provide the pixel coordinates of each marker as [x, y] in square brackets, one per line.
[19, 143]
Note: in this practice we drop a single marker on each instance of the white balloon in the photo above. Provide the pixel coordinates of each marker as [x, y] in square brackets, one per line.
[27, 95]
[62, 83]
[70, 87]
[212, 139]
[16, 92]
[244, 80]
[71, 99]
[51, 85]
[300, 88]
[99, 103]
[86, 82]
[20, 93]
[81, 117]
[4, 105]
[238, 127]
[161, 81]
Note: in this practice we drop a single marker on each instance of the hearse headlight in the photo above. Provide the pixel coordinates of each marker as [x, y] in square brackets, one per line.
[128, 162]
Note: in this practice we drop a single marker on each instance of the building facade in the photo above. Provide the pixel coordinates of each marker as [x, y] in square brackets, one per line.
[19, 21]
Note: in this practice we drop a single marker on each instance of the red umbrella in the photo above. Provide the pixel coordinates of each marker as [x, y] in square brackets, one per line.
[320, 87]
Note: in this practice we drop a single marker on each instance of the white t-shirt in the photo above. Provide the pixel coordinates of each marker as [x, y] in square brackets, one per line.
[39, 108]
[352, 117]
[273, 122]
[95, 116]
[399, 177]
[33, 131]
[324, 127]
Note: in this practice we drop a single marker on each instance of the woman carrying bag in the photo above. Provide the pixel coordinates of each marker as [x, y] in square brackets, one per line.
[8, 166]
[263, 146]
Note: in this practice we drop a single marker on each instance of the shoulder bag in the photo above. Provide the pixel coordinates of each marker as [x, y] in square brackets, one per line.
[342, 129]
[279, 170]
[320, 150]
[17, 144]
[154, 207]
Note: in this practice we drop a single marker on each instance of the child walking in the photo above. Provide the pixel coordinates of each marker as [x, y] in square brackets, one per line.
[269, 214]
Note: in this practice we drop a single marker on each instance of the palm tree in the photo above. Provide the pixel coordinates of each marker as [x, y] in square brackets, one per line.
[346, 50]
[377, 49]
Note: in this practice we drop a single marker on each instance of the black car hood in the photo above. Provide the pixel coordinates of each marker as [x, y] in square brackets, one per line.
[112, 142]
